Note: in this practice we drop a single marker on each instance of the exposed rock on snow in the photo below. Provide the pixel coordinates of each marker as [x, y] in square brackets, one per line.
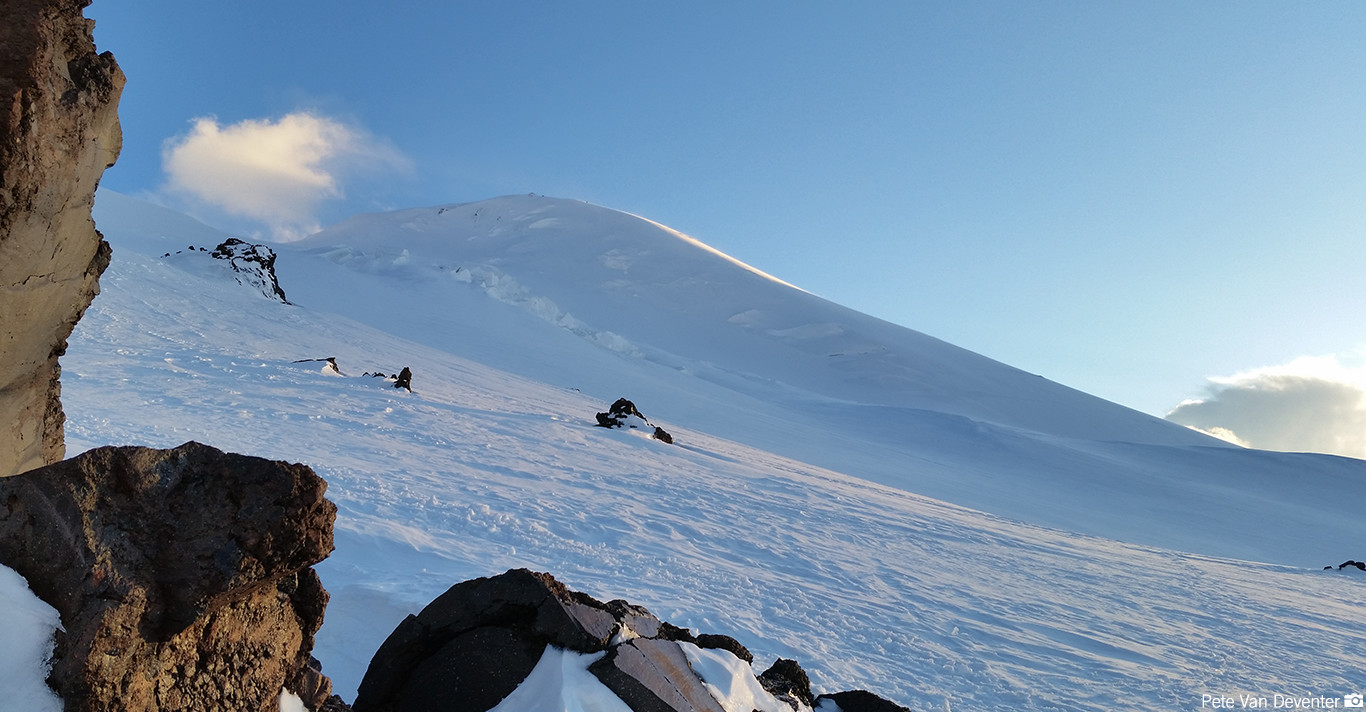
[623, 414]
[248, 264]
[59, 130]
[787, 681]
[478, 642]
[861, 701]
[253, 263]
[727, 643]
[330, 366]
[182, 576]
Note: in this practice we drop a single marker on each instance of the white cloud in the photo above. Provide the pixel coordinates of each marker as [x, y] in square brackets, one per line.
[1312, 404]
[274, 171]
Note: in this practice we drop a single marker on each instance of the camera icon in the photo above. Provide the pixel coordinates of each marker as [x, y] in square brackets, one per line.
[1353, 700]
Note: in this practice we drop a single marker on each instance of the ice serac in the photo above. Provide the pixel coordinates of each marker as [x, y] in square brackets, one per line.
[59, 131]
[183, 577]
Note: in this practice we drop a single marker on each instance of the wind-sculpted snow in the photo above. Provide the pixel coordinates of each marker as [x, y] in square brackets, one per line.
[481, 469]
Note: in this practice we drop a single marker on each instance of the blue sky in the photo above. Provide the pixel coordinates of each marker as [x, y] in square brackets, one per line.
[1128, 198]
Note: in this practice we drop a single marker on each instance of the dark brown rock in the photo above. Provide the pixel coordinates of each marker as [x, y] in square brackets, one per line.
[59, 130]
[182, 576]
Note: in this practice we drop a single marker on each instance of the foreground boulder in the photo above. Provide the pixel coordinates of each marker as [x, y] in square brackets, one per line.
[182, 576]
[59, 130]
[477, 642]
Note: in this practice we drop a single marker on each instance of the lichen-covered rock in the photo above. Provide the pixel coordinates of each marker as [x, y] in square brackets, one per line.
[182, 576]
[59, 130]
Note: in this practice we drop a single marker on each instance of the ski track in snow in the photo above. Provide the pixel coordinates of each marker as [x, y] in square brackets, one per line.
[932, 605]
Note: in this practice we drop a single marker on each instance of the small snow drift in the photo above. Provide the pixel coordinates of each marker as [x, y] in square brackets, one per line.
[623, 414]
[330, 366]
[495, 639]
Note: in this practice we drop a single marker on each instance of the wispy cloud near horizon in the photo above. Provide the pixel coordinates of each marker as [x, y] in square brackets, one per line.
[273, 171]
[1312, 404]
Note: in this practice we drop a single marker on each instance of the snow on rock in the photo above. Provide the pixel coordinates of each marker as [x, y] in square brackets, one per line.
[560, 682]
[26, 628]
[732, 681]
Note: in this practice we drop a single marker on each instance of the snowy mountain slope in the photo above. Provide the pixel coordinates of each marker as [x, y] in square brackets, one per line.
[481, 469]
[581, 296]
[669, 299]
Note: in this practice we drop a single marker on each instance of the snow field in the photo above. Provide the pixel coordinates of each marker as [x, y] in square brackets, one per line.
[869, 586]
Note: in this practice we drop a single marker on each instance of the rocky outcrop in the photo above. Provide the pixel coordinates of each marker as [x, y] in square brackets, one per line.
[475, 644]
[182, 576]
[623, 414]
[59, 130]
[254, 266]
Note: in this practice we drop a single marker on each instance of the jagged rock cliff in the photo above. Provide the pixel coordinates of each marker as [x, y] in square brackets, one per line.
[59, 130]
[183, 577]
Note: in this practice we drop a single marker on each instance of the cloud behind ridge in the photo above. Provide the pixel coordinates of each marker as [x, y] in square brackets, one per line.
[1312, 404]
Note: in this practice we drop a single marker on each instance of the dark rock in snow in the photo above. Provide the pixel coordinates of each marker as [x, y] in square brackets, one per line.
[725, 642]
[405, 379]
[1359, 564]
[787, 681]
[330, 367]
[623, 413]
[253, 263]
[183, 577]
[862, 701]
[529, 610]
[623, 408]
[473, 645]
